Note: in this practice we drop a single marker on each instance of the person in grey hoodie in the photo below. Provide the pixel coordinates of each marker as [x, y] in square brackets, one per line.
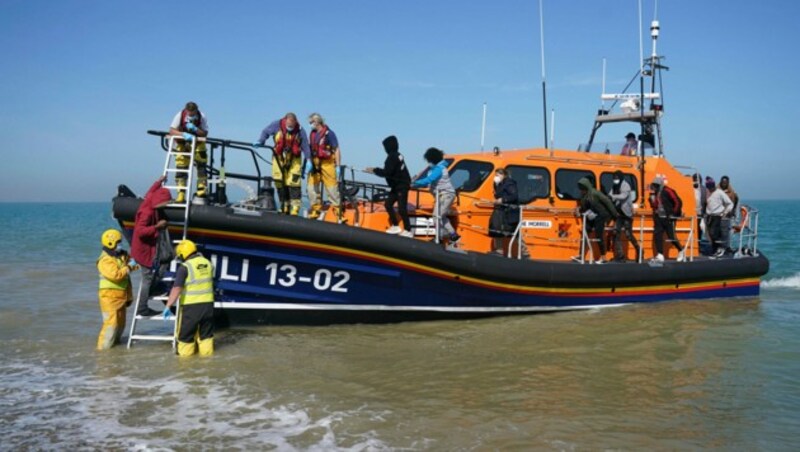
[622, 195]
[438, 179]
[718, 206]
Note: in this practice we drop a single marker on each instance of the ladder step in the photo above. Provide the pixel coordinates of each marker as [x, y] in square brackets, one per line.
[177, 204]
[180, 153]
[174, 187]
[159, 297]
[157, 318]
[147, 337]
[177, 170]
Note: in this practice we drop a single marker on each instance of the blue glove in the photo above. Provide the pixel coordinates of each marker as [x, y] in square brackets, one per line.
[257, 144]
[338, 173]
[309, 167]
[131, 262]
[191, 127]
[187, 136]
[167, 313]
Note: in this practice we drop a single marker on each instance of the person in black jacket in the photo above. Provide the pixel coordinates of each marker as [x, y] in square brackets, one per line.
[600, 211]
[397, 177]
[506, 200]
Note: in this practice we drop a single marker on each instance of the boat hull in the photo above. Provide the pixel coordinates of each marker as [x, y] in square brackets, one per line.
[278, 269]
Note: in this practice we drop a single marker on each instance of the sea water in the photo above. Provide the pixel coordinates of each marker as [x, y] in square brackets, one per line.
[717, 374]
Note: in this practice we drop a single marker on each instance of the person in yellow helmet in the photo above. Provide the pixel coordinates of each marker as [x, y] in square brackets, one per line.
[194, 286]
[114, 292]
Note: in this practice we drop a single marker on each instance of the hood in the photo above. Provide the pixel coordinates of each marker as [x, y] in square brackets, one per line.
[159, 196]
[390, 144]
[585, 183]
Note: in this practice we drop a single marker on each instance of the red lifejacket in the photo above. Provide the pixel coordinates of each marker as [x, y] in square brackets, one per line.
[320, 145]
[286, 141]
[197, 121]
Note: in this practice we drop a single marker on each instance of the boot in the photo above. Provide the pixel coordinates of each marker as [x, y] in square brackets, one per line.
[313, 214]
[181, 192]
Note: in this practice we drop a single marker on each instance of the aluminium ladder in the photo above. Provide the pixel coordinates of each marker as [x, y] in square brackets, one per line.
[170, 166]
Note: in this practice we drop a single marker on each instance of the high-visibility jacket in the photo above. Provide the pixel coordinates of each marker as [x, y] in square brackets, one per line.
[199, 286]
[286, 141]
[320, 145]
[106, 283]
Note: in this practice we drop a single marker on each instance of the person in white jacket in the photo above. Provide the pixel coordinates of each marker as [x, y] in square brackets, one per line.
[718, 205]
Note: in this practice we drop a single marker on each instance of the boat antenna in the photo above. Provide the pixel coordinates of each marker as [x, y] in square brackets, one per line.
[544, 85]
[552, 130]
[483, 127]
[602, 99]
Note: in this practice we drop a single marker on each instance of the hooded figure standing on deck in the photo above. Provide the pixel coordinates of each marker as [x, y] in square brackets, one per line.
[397, 177]
[114, 292]
[600, 211]
[728, 220]
[623, 196]
[666, 207]
[323, 167]
[194, 285]
[291, 146]
[188, 124]
[148, 226]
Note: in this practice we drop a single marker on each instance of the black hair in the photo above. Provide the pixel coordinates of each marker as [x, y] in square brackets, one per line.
[434, 155]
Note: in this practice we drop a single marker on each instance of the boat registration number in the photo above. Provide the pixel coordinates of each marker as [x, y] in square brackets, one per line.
[322, 279]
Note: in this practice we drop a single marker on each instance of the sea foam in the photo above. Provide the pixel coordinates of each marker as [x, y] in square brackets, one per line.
[788, 282]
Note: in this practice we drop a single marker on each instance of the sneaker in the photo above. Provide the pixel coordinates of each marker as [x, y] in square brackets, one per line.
[407, 234]
[681, 256]
[601, 261]
[454, 238]
[394, 230]
[659, 258]
[148, 313]
[720, 252]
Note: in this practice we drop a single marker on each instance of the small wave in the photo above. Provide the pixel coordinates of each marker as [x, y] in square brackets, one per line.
[788, 282]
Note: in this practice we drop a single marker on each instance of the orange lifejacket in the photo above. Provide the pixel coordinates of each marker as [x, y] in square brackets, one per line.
[320, 146]
[286, 141]
[744, 214]
[197, 121]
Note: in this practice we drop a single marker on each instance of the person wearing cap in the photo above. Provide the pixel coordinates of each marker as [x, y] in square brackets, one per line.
[291, 146]
[622, 195]
[666, 206]
[506, 203]
[194, 289]
[188, 124]
[398, 178]
[728, 220]
[323, 167]
[718, 206]
[114, 292]
[631, 146]
[700, 197]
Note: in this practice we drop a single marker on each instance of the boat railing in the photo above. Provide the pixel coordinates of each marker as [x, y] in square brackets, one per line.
[748, 232]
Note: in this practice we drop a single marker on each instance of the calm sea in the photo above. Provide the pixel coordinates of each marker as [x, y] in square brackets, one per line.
[684, 375]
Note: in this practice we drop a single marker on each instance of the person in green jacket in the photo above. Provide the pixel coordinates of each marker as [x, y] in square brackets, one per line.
[599, 211]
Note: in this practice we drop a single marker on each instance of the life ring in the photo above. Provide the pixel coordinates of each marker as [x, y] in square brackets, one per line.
[744, 214]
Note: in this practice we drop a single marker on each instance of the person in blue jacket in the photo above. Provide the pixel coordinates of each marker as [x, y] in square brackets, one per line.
[438, 180]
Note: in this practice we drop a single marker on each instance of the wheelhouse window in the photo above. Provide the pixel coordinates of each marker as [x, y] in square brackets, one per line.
[468, 175]
[532, 182]
[607, 181]
[567, 183]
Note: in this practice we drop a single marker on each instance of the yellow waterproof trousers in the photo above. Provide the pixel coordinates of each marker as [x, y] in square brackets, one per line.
[287, 182]
[113, 304]
[324, 173]
[200, 160]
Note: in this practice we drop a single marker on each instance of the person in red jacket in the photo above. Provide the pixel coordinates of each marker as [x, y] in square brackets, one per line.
[148, 225]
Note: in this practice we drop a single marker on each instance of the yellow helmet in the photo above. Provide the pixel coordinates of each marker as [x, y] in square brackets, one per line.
[185, 249]
[111, 238]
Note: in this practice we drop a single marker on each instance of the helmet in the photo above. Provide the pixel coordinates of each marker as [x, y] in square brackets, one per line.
[111, 238]
[185, 249]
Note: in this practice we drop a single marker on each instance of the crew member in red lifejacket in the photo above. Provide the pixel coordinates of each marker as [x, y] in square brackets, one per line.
[188, 124]
[323, 166]
[291, 146]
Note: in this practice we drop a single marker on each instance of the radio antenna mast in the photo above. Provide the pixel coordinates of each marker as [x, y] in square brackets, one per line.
[544, 85]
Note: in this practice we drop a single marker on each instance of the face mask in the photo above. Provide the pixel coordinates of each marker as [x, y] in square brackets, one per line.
[290, 129]
[617, 181]
[498, 179]
[191, 118]
[431, 165]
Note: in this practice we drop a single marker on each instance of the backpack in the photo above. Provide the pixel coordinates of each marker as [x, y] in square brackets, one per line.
[677, 202]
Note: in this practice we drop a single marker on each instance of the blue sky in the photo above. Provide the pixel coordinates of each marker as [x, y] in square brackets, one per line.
[83, 80]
